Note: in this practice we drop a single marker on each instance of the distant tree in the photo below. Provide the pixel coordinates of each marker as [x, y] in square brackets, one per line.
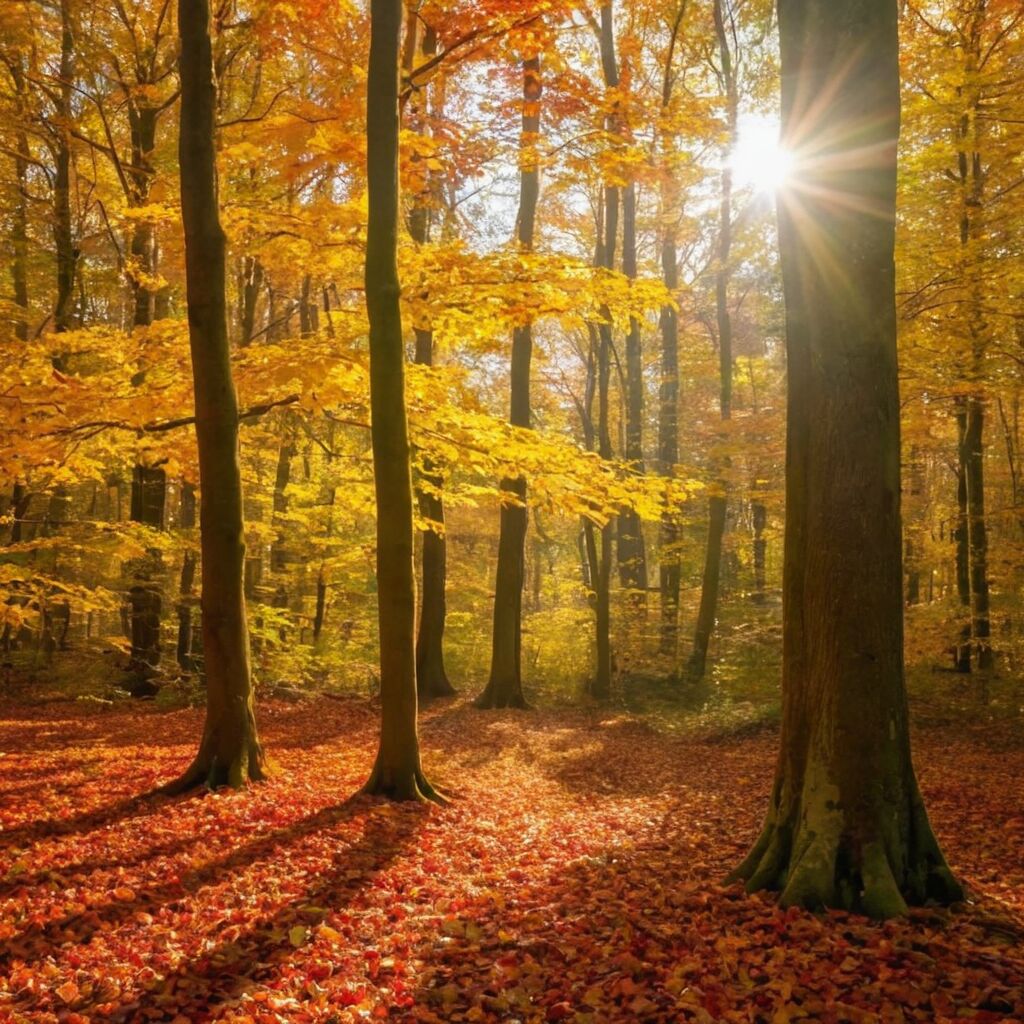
[230, 751]
[505, 686]
[846, 826]
[397, 772]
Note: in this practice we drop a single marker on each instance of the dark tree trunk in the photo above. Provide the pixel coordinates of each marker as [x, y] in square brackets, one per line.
[707, 613]
[252, 285]
[148, 498]
[961, 536]
[230, 751]
[431, 675]
[601, 684]
[846, 826]
[977, 532]
[19, 211]
[505, 685]
[397, 772]
[187, 521]
[759, 514]
[631, 553]
[63, 225]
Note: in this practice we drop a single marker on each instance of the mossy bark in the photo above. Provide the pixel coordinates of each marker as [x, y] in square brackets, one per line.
[397, 773]
[846, 826]
[230, 752]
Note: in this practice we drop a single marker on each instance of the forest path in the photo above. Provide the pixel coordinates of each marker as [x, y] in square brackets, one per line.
[574, 877]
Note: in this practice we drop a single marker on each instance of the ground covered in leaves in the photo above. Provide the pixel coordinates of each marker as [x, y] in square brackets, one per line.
[574, 877]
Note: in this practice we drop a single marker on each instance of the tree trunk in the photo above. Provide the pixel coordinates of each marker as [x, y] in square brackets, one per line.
[397, 772]
[505, 686]
[632, 555]
[601, 684]
[846, 826]
[148, 498]
[707, 613]
[252, 285]
[187, 521]
[961, 535]
[431, 675]
[229, 751]
[63, 229]
[19, 211]
[977, 532]
[760, 517]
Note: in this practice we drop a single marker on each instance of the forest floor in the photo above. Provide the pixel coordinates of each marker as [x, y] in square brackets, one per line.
[575, 876]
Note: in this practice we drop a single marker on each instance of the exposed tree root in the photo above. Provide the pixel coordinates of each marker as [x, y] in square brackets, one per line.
[821, 865]
[496, 697]
[213, 771]
[411, 786]
[433, 683]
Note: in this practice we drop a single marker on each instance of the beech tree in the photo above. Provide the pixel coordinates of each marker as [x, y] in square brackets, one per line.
[230, 751]
[846, 826]
[397, 772]
[505, 685]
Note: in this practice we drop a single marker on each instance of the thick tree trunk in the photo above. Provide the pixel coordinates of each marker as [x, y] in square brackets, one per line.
[707, 613]
[229, 751]
[846, 826]
[505, 685]
[397, 772]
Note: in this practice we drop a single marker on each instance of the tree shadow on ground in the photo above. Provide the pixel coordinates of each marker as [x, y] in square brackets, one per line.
[35, 939]
[647, 932]
[253, 954]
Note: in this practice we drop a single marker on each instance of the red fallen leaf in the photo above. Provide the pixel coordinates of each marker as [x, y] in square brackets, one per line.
[559, 1011]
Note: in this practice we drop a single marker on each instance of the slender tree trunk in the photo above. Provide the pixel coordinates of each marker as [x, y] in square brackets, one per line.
[148, 499]
[63, 225]
[505, 685]
[252, 285]
[431, 675]
[397, 772]
[670, 568]
[846, 825]
[707, 613]
[19, 209]
[632, 554]
[230, 751]
[601, 684]
[977, 532]
[759, 514]
[187, 521]
[961, 535]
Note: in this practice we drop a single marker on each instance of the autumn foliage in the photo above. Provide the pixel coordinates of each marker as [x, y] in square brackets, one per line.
[597, 899]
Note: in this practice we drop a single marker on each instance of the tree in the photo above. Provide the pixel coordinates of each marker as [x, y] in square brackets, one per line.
[431, 676]
[397, 772]
[846, 825]
[505, 685]
[230, 751]
[707, 612]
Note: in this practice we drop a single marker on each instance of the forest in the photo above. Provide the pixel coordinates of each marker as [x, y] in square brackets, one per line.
[511, 511]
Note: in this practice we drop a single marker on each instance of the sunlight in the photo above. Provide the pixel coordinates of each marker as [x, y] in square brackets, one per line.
[758, 161]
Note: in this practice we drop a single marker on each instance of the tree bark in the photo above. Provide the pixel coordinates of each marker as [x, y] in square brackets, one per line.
[186, 521]
[431, 675]
[846, 825]
[632, 554]
[19, 210]
[707, 613]
[230, 751]
[397, 772]
[505, 685]
[63, 226]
